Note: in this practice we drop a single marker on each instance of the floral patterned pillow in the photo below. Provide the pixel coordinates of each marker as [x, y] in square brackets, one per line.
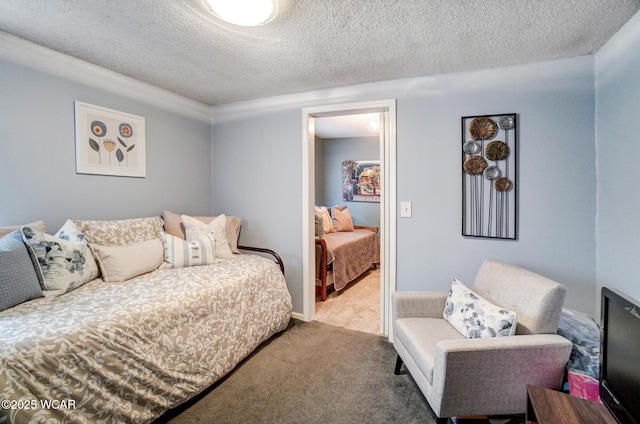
[476, 317]
[121, 232]
[63, 265]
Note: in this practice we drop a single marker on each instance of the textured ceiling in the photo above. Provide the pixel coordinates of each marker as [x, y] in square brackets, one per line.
[312, 44]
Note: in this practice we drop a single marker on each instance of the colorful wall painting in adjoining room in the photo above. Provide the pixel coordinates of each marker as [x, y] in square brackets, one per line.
[109, 142]
[489, 183]
[361, 180]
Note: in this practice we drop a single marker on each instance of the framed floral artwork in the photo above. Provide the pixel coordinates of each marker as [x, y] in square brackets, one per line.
[109, 142]
[489, 176]
[361, 181]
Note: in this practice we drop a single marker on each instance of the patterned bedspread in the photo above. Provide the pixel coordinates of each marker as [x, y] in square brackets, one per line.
[353, 253]
[126, 352]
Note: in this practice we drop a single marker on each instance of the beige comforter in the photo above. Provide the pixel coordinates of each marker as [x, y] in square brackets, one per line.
[126, 352]
[353, 253]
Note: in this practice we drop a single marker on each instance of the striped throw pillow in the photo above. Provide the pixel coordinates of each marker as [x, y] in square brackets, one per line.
[180, 253]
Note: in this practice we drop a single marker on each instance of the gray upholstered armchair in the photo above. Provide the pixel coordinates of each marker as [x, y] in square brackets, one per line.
[462, 376]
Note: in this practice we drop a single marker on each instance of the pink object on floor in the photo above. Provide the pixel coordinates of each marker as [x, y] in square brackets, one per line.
[583, 386]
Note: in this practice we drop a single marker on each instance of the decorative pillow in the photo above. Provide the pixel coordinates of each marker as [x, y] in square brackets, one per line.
[62, 265]
[342, 219]
[18, 279]
[319, 224]
[70, 232]
[173, 225]
[121, 232]
[474, 316]
[121, 263]
[195, 228]
[179, 253]
[35, 225]
[327, 223]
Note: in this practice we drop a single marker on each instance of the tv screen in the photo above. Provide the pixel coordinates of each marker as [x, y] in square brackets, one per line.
[620, 356]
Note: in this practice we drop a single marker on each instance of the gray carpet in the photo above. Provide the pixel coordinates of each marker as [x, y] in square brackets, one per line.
[312, 373]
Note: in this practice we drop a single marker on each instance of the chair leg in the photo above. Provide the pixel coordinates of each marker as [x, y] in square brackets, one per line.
[398, 365]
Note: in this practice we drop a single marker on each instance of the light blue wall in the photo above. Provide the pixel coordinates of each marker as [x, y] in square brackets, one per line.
[335, 151]
[37, 155]
[256, 176]
[555, 102]
[618, 152]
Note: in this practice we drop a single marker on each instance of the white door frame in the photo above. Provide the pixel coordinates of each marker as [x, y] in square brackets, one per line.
[387, 200]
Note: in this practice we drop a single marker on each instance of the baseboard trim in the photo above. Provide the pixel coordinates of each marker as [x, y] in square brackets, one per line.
[296, 315]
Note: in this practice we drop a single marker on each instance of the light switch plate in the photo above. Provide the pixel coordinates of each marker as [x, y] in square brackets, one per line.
[405, 209]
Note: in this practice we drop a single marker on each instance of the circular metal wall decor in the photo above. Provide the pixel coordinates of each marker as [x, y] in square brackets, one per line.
[506, 122]
[503, 184]
[482, 128]
[496, 150]
[489, 176]
[492, 172]
[472, 147]
[475, 165]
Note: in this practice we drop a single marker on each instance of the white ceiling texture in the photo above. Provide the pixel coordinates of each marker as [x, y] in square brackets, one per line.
[312, 44]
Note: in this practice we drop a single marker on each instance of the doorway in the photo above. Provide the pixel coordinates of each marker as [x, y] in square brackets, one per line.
[387, 112]
[347, 146]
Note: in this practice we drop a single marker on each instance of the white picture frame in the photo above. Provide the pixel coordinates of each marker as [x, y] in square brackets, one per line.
[109, 142]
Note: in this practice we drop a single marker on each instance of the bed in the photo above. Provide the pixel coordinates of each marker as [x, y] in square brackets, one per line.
[342, 256]
[110, 352]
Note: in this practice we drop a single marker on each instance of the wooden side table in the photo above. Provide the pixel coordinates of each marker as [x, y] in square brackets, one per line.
[546, 406]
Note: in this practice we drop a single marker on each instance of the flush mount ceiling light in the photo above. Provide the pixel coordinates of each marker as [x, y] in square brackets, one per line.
[244, 12]
[374, 123]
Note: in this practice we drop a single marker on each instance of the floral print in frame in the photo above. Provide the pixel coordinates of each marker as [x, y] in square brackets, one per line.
[109, 142]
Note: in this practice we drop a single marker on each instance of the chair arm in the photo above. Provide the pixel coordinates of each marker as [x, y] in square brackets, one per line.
[417, 304]
[496, 371]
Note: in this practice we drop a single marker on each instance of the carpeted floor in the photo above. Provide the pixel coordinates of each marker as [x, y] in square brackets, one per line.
[356, 307]
[312, 373]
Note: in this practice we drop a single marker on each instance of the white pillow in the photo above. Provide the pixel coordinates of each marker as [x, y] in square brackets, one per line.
[327, 223]
[476, 317]
[179, 253]
[120, 263]
[63, 265]
[195, 228]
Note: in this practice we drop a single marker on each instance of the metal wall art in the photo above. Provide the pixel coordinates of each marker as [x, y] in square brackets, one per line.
[489, 165]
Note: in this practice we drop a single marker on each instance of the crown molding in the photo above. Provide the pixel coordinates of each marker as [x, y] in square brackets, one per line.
[42, 59]
[561, 72]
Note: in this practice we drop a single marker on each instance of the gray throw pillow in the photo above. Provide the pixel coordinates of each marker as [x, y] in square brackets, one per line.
[18, 279]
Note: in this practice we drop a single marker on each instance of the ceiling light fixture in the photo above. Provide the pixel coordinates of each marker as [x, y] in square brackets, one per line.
[374, 124]
[244, 12]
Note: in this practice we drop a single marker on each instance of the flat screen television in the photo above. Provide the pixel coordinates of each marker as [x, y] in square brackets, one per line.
[620, 356]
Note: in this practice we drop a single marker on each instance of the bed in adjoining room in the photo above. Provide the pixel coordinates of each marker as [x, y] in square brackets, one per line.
[344, 251]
